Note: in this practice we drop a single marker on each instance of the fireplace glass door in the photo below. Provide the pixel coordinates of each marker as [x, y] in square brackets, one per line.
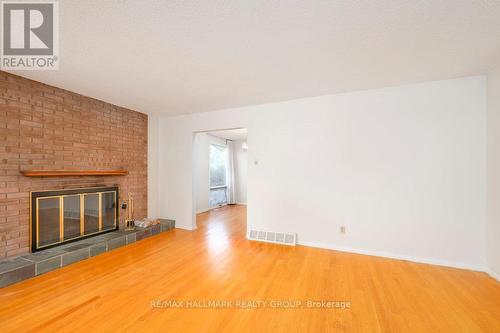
[71, 211]
[66, 215]
[49, 212]
[91, 213]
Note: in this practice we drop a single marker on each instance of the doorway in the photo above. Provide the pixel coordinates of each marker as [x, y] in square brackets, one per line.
[219, 169]
[218, 174]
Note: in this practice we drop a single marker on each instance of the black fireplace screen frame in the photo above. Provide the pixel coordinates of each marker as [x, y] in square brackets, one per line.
[65, 192]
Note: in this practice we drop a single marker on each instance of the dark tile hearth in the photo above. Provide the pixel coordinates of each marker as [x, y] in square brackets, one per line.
[29, 265]
[74, 255]
[98, 249]
[15, 270]
[48, 265]
[117, 242]
[143, 234]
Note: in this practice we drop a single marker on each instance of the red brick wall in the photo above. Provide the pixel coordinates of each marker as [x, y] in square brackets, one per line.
[43, 127]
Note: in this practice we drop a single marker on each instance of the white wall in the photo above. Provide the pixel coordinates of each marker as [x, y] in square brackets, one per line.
[493, 226]
[403, 168]
[153, 123]
[240, 171]
[201, 171]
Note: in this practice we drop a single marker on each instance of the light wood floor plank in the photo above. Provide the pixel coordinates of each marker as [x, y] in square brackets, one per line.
[113, 292]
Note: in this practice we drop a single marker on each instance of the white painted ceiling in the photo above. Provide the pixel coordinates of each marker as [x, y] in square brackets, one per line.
[233, 134]
[178, 57]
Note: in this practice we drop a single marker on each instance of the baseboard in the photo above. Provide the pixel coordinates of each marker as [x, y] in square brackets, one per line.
[493, 274]
[211, 208]
[185, 227]
[241, 203]
[430, 261]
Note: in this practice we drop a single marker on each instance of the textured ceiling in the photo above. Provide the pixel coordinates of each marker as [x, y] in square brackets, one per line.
[177, 57]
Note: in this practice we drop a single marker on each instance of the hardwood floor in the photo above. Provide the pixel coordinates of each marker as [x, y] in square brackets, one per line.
[113, 292]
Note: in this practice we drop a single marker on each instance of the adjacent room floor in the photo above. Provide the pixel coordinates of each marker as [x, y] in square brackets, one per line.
[185, 273]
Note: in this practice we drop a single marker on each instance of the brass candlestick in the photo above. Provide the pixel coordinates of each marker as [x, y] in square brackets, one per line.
[129, 222]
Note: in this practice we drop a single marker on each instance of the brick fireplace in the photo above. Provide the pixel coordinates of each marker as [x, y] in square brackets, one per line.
[47, 128]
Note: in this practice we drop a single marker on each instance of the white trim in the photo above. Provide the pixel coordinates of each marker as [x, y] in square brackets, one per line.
[209, 209]
[241, 203]
[431, 261]
[185, 227]
[493, 274]
[219, 206]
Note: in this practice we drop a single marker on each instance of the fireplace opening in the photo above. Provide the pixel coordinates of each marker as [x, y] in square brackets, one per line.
[63, 216]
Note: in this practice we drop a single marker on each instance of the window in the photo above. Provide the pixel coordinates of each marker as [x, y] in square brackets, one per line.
[218, 172]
